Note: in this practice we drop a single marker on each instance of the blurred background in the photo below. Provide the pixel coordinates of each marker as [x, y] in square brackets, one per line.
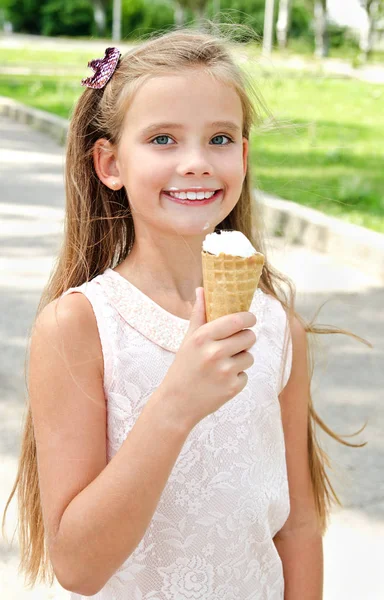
[319, 66]
[330, 158]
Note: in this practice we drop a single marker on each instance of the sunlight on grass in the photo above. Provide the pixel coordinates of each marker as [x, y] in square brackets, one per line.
[329, 154]
[30, 57]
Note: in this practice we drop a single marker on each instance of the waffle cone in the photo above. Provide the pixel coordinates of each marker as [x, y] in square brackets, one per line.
[229, 282]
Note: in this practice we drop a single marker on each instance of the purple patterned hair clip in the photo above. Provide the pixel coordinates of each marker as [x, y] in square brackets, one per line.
[104, 69]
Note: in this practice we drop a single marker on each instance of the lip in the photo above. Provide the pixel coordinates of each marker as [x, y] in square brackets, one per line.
[204, 202]
[191, 189]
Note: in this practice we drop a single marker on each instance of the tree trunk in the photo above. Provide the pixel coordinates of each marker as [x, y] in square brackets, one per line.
[199, 15]
[179, 15]
[368, 38]
[216, 10]
[100, 17]
[321, 45]
[366, 33]
[116, 24]
[283, 23]
[268, 27]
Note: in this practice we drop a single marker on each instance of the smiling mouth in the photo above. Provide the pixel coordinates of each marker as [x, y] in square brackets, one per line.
[196, 201]
[192, 191]
[172, 193]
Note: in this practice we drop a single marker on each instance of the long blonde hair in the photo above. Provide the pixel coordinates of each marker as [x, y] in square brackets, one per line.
[99, 233]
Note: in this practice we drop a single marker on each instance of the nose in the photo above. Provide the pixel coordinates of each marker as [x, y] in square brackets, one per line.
[195, 162]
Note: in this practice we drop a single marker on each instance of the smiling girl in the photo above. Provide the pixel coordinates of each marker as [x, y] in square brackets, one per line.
[164, 457]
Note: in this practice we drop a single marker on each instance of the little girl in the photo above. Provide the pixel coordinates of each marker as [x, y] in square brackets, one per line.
[164, 457]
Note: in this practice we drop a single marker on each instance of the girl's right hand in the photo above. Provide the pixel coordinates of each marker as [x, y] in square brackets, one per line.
[208, 369]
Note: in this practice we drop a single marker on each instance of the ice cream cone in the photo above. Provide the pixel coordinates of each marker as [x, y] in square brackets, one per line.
[229, 282]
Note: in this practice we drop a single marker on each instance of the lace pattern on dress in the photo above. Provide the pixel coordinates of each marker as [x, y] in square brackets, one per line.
[211, 536]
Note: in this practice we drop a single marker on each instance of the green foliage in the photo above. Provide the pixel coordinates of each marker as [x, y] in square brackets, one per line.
[72, 17]
[25, 15]
[301, 19]
[340, 37]
[141, 17]
[249, 12]
[4, 11]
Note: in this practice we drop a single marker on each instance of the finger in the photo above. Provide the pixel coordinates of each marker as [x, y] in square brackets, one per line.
[228, 325]
[243, 360]
[240, 341]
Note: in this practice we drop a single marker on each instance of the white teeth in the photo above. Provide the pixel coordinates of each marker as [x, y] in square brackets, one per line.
[191, 195]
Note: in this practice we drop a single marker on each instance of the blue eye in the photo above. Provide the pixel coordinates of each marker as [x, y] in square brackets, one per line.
[167, 136]
[223, 136]
[159, 137]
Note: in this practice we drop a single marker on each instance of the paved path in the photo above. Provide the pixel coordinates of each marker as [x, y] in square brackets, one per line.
[347, 387]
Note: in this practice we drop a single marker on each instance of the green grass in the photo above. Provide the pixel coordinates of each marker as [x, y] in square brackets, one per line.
[39, 57]
[348, 52]
[326, 151]
[56, 95]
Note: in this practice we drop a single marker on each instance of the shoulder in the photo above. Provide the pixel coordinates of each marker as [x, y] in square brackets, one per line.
[69, 323]
[70, 311]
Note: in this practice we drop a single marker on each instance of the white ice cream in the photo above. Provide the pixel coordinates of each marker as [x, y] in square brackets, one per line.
[229, 242]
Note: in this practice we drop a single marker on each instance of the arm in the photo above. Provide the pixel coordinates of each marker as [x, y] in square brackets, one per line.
[95, 514]
[299, 542]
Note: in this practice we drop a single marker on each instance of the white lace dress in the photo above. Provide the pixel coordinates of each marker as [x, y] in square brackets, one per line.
[227, 496]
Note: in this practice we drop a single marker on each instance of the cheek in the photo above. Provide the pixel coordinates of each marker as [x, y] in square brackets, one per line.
[231, 163]
[233, 172]
[150, 172]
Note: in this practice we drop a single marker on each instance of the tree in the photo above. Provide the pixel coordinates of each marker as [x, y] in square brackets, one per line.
[116, 21]
[179, 14]
[283, 22]
[198, 8]
[374, 10]
[268, 26]
[321, 42]
[100, 16]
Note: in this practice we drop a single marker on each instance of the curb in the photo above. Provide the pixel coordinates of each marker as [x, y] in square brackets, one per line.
[45, 122]
[297, 224]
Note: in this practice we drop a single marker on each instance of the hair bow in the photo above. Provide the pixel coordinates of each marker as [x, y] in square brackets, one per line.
[104, 69]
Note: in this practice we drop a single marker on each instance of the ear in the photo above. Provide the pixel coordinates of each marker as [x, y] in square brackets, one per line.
[104, 160]
[245, 155]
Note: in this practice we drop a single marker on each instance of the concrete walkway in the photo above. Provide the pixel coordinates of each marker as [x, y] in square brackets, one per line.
[347, 386]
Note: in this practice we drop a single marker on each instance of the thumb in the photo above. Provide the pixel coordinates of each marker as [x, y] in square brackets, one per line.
[198, 316]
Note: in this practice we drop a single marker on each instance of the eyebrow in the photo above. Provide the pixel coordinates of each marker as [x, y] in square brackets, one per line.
[228, 125]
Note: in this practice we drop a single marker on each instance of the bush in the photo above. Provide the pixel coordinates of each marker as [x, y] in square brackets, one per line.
[72, 18]
[249, 12]
[301, 19]
[340, 37]
[142, 17]
[25, 15]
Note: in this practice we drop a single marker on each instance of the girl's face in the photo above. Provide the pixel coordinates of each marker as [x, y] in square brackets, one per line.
[174, 136]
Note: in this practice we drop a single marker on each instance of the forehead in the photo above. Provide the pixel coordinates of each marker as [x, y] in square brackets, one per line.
[192, 98]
